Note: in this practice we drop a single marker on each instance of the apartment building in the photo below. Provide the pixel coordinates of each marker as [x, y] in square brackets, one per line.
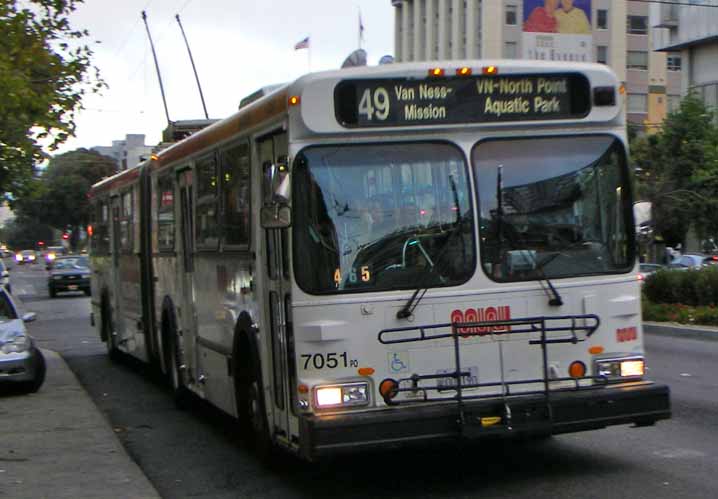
[614, 32]
[128, 152]
[691, 34]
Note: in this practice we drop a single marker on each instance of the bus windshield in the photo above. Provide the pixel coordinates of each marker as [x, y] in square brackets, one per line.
[380, 217]
[553, 207]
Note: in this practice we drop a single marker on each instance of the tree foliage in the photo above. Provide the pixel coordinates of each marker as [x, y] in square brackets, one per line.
[678, 172]
[59, 197]
[45, 70]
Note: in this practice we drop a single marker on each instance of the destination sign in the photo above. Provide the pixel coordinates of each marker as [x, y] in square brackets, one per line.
[473, 99]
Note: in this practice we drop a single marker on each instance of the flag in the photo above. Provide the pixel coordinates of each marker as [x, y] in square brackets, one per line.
[302, 44]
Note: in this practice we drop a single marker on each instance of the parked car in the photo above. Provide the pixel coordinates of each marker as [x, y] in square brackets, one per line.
[26, 256]
[648, 269]
[5, 276]
[693, 261]
[22, 364]
[69, 273]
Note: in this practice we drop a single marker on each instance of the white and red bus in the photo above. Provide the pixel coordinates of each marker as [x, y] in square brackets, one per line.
[383, 255]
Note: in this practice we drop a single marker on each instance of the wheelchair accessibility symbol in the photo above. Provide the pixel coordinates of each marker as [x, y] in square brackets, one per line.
[398, 362]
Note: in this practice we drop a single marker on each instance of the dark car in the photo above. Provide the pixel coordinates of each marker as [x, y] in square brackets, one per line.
[22, 364]
[69, 273]
[26, 256]
[51, 253]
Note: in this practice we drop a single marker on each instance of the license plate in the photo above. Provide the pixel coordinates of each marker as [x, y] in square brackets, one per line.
[445, 384]
[72, 287]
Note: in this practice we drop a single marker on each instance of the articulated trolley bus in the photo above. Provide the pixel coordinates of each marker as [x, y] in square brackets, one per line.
[384, 255]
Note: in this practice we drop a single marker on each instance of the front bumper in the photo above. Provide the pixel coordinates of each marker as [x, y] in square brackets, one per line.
[19, 367]
[641, 403]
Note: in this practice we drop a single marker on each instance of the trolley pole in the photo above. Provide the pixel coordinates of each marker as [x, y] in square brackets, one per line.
[191, 60]
[157, 67]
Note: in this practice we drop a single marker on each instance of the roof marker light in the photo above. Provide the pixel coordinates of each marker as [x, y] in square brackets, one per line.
[294, 100]
[436, 72]
[490, 70]
[154, 157]
[465, 71]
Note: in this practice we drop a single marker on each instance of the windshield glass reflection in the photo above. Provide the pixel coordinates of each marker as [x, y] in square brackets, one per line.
[380, 217]
[553, 207]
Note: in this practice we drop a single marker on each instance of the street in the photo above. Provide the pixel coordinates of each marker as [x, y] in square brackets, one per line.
[196, 453]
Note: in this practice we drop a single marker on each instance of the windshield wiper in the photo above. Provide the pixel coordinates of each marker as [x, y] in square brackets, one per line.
[408, 309]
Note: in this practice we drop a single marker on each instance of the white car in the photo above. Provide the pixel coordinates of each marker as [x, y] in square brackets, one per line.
[22, 364]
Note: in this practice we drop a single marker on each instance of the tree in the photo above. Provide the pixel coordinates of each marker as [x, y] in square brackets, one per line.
[45, 70]
[679, 172]
[59, 197]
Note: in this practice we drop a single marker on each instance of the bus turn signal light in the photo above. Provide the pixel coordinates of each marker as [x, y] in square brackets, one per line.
[577, 369]
[294, 100]
[388, 389]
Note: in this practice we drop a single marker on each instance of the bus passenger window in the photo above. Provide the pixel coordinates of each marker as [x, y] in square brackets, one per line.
[236, 195]
[126, 221]
[165, 213]
[207, 229]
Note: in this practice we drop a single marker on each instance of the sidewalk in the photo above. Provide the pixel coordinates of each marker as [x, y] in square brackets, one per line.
[57, 444]
[681, 330]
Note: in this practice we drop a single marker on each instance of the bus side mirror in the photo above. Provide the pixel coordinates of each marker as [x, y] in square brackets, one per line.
[276, 211]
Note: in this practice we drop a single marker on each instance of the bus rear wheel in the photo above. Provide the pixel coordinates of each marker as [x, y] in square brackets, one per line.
[108, 333]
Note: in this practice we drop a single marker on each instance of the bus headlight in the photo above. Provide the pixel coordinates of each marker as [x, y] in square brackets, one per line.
[621, 368]
[344, 395]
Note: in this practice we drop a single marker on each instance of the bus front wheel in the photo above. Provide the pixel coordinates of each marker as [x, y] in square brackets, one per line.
[180, 393]
[251, 408]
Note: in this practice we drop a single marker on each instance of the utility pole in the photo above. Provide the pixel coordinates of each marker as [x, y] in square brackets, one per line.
[159, 76]
[191, 60]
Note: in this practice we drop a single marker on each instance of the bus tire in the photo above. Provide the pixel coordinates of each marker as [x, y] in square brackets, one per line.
[108, 333]
[250, 403]
[181, 395]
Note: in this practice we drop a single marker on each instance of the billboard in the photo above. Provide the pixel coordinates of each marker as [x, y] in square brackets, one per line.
[557, 30]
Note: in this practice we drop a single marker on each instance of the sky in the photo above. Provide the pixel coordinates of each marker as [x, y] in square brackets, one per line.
[238, 47]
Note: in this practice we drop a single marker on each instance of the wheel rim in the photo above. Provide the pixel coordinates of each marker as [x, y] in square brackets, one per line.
[254, 408]
[174, 369]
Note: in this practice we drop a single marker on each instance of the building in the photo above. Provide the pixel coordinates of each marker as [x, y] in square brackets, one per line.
[692, 32]
[129, 152]
[614, 32]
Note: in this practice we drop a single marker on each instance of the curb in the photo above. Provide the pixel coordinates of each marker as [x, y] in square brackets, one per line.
[681, 330]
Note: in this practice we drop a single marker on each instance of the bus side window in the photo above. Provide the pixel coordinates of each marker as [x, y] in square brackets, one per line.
[236, 201]
[125, 219]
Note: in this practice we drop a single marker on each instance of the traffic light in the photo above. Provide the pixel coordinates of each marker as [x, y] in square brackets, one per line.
[65, 235]
[41, 243]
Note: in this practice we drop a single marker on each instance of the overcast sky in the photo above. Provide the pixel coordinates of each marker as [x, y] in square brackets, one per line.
[238, 46]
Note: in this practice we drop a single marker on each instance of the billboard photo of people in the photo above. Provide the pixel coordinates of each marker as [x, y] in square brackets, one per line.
[557, 30]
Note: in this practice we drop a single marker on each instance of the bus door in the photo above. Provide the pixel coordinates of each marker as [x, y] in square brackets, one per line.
[272, 151]
[120, 328]
[186, 309]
